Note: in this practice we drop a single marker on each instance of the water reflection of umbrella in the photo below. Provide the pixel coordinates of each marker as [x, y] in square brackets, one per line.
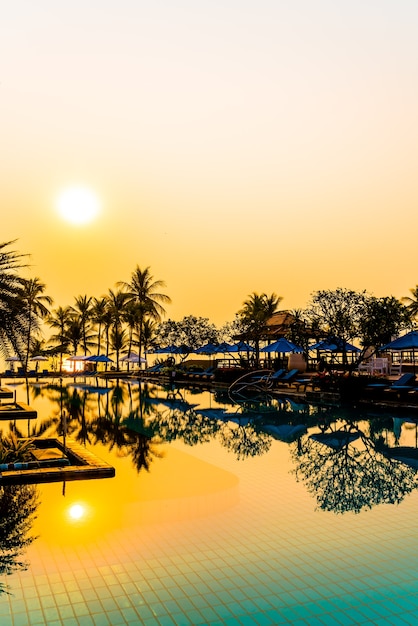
[282, 345]
[285, 432]
[337, 439]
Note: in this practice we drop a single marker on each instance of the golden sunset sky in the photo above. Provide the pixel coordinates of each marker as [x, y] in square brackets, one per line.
[234, 146]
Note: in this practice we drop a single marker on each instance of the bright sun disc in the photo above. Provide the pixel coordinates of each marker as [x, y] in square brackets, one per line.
[77, 511]
[78, 205]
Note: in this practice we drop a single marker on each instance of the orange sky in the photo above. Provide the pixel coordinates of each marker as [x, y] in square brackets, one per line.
[235, 147]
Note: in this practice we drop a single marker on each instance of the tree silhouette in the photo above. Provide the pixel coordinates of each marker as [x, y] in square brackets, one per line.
[345, 477]
[18, 505]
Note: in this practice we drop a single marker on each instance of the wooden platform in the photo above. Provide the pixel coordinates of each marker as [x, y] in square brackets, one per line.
[83, 465]
[17, 411]
[6, 393]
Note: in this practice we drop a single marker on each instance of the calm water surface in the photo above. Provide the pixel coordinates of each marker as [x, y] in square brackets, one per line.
[270, 513]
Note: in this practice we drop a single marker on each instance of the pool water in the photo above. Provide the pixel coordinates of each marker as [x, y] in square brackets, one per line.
[215, 519]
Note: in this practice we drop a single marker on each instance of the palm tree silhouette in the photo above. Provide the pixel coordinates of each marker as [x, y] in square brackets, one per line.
[13, 323]
[144, 291]
[412, 302]
[35, 305]
[254, 313]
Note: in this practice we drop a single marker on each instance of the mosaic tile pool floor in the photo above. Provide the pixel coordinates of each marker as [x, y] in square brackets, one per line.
[251, 549]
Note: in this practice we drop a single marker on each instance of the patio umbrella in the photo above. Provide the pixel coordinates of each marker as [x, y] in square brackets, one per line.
[241, 346]
[208, 348]
[37, 359]
[99, 358]
[132, 357]
[282, 345]
[167, 350]
[183, 349]
[223, 347]
[13, 359]
[408, 342]
[334, 345]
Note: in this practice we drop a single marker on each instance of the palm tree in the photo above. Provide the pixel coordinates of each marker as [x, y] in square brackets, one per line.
[116, 302]
[98, 316]
[131, 317]
[255, 313]
[117, 342]
[83, 307]
[13, 327]
[412, 302]
[35, 305]
[59, 319]
[74, 333]
[144, 290]
[149, 330]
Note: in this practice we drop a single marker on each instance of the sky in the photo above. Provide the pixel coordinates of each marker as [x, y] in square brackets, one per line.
[234, 147]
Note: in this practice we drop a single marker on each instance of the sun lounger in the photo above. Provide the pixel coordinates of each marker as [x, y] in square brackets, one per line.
[206, 374]
[288, 378]
[402, 383]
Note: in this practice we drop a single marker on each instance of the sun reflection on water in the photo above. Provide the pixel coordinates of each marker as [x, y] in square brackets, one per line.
[77, 512]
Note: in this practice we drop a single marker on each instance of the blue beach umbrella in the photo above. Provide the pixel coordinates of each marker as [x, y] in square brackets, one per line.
[223, 347]
[334, 345]
[241, 346]
[408, 342]
[282, 345]
[208, 348]
[99, 358]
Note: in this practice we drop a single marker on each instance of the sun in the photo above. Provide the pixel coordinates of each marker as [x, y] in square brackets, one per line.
[78, 205]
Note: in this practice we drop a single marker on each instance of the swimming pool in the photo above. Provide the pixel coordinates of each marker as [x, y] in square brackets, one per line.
[219, 514]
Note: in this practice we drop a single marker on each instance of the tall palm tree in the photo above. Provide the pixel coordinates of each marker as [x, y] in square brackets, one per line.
[13, 327]
[83, 307]
[59, 319]
[149, 330]
[144, 290]
[74, 333]
[131, 316]
[118, 341]
[412, 302]
[255, 313]
[116, 302]
[35, 306]
[98, 316]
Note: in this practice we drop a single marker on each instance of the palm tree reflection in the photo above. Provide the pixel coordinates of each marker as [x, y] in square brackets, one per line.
[18, 505]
